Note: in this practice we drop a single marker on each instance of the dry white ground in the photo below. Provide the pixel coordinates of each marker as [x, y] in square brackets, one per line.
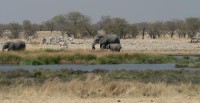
[46, 99]
[162, 45]
[168, 46]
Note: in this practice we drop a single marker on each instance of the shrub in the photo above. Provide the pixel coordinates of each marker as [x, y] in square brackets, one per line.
[49, 59]
[32, 62]
[80, 58]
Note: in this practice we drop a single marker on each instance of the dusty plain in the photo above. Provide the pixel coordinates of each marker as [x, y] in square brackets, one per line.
[163, 45]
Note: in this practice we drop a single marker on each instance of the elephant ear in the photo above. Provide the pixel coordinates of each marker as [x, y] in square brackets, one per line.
[103, 40]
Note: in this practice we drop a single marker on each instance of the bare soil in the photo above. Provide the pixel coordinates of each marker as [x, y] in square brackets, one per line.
[47, 99]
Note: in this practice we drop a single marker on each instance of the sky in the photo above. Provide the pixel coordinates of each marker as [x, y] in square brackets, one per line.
[134, 11]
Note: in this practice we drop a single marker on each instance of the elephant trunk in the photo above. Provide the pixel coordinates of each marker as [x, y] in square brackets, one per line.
[93, 44]
[3, 48]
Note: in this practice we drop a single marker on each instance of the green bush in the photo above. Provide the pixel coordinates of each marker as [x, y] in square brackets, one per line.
[135, 58]
[80, 58]
[42, 60]
[49, 59]
[10, 59]
[32, 62]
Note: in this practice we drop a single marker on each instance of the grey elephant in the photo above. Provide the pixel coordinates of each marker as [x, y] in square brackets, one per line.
[17, 45]
[104, 40]
[114, 47]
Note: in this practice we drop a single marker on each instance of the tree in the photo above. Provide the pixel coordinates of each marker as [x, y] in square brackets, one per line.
[133, 30]
[60, 23]
[49, 25]
[40, 27]
[193, 25]
[171, 27]
[90, 29]
[29, 28]
[120, 26]
[76, 22]
[15, 28]
[143, 28]
[2, 29]
[181, 28]
[155, 29]
[117, 26]
[104, 24]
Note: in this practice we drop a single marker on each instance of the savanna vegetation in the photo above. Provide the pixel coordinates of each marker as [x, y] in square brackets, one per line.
[50, 56]
[62, 56]
[102, 83]
[42, 83]
[79, 25]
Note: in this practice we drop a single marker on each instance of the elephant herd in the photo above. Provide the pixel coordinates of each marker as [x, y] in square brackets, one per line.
[110, 41]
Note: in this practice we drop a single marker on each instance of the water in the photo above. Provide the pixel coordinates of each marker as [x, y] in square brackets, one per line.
[84, 67]
[187, 57]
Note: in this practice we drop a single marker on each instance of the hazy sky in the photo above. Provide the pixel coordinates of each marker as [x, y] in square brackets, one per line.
[133, 11]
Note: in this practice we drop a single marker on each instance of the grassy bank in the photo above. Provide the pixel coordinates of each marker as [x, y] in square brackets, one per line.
[99, 83]
[189, 62]
[50, 56]
[39, 76]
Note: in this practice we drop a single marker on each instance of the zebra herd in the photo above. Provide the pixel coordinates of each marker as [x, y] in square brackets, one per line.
[53, 40]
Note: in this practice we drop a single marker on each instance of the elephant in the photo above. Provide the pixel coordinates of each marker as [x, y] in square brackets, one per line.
[17, 45]
[104, 40]
[114, 47]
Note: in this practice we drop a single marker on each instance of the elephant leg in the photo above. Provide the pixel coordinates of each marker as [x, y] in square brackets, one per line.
[11, 46]
[102, 46]
[10, 49]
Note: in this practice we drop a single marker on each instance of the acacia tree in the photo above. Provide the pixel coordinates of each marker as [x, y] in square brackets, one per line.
[155, 29]
[120, 27]
[193, 25]
[142, 28]
[104, 24]
[171, 27]
[2, 29]
[29, 29]
[181, 28]
[90, 29]
[76, 22]
[117, 26]
[133, 30]
[60, 23]
[49, 25]
[14, 28]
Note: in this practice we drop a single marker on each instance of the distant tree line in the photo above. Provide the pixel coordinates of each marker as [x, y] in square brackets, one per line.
[80, 25]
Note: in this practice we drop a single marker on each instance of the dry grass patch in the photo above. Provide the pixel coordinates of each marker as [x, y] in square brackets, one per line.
[95, 86]
[97, 90]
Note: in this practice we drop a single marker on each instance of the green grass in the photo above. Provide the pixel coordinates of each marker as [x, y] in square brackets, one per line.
[187, 62]
[10, 59]
[50, 56]
[80, 58]
[39, 76]
[135, 59]
[53, 50]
